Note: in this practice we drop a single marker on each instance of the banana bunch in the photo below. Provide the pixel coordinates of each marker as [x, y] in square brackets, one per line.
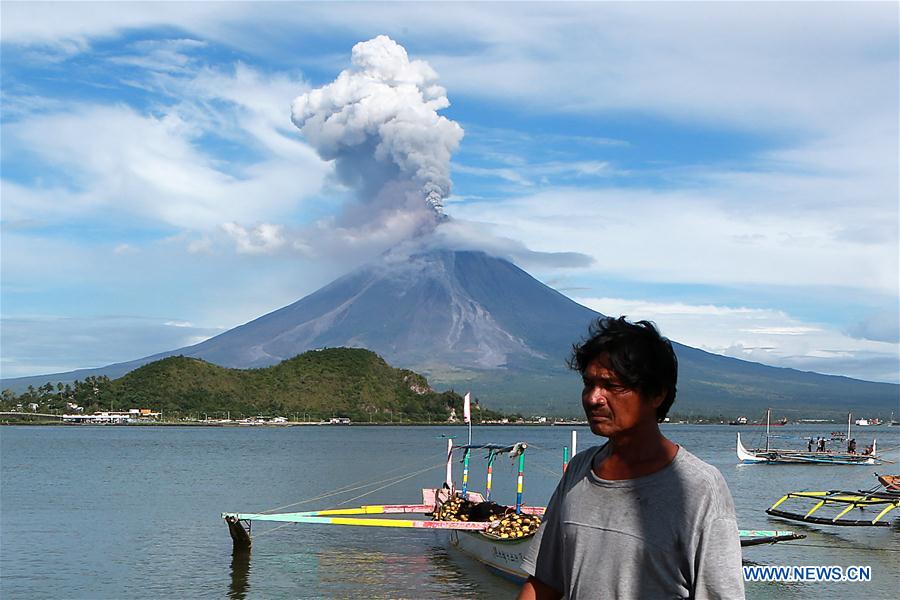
[513, 526]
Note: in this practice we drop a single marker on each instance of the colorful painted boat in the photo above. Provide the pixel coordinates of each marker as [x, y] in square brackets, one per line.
[891, 483]
[480, 539]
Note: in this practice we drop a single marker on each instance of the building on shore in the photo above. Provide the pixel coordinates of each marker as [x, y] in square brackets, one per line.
[133, 415]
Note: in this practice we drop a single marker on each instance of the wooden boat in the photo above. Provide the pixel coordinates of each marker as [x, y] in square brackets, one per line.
[482, 540]
[890, 482]
[769, 455]
[836, 504]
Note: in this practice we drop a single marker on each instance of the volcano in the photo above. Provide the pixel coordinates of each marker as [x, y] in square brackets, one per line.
[440, 310]
[471, 321]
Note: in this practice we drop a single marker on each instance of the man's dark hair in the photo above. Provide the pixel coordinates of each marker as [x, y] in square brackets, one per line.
[639, 356]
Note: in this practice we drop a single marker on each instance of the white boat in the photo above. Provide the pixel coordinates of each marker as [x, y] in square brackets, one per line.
[769, 455]
[501, 557]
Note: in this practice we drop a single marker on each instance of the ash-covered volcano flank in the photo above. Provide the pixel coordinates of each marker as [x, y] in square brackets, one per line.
[435, 311]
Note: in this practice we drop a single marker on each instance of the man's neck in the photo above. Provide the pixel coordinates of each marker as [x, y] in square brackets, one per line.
[635, 454]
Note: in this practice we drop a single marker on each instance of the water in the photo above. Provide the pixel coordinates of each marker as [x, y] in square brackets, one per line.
[134, 512]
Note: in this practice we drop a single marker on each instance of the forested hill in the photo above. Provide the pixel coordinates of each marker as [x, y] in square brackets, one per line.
[344, 382]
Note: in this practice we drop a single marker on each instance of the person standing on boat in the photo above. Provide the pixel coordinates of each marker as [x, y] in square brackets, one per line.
[640, 516]
[809, 445]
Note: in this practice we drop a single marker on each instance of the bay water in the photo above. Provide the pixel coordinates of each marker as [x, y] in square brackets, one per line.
[134, 512]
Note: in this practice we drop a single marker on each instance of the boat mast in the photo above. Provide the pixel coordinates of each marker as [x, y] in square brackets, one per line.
[465, 487]
[490, 473]
[519, 482]
[849, 416]
[449, 479]
[768, 411]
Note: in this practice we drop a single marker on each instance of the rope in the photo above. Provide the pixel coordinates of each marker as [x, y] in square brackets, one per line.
[410, 476]
[262, 533]
[350, 487]
[555, 474]
[543, 448]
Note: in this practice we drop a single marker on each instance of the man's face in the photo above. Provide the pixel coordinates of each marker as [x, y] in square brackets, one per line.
[611, 408]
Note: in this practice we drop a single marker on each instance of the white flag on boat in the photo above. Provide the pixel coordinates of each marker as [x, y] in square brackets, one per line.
[467, 411]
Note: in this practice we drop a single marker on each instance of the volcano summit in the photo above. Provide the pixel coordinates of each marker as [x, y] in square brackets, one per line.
[475, 322]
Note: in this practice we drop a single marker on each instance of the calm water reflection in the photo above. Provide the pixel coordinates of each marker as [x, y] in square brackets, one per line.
[240, 575]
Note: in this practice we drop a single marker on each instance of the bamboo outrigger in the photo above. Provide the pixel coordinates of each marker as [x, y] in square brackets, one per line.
[883, 498]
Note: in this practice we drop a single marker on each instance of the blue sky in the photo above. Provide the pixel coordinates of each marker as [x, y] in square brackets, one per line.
[730, 170]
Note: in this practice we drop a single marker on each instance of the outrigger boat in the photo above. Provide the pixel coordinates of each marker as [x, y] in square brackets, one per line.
[883, 498]
[495, 535]
[770, 455]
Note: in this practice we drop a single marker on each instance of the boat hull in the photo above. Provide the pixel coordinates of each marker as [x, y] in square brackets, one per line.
[796, 457]
[501, 557]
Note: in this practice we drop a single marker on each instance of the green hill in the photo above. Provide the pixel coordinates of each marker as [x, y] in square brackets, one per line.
[332, 382]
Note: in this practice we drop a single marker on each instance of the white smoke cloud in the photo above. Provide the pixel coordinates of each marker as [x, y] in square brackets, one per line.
[378, 122]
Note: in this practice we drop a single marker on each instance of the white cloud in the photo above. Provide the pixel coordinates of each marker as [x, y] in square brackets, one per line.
[768, 336]
[781, 330]
[153, 166]
[720, 234]
[265, 238]
[746, 64]
[160, 55]
[178, 324]
[528, 175]
[71, 27]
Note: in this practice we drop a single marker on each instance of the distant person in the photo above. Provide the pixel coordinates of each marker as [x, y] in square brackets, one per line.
[821, 444]
[639, 516]
[809, 445]
[851, 446]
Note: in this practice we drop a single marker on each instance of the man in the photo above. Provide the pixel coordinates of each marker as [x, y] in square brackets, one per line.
[639, 517]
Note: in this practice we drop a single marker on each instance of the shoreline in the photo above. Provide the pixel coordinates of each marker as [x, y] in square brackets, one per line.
[46, 423]
[283, 425]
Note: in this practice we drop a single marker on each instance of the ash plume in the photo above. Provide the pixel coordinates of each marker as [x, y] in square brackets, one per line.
[379, 123]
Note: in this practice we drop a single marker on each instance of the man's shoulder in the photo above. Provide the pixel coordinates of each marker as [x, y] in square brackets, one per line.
[704, 479]
[581, 462]
[689, 461]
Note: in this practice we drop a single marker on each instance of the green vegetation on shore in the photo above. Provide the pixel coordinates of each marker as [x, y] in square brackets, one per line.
[320, 384]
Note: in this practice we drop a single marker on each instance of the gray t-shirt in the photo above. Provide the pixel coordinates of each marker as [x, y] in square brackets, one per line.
[671, 534]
